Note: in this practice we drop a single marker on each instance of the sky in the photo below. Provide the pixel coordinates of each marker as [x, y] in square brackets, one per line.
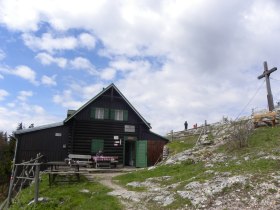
[174, 60]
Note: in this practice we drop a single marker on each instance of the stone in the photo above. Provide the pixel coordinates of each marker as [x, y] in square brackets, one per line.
[246, 158]
[164, 200]
[40, 199]
[84, 191]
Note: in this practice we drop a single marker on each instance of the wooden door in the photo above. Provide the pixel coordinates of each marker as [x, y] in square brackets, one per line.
[141, 154]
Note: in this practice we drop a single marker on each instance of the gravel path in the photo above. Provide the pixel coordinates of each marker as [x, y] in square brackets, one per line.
[130, 200]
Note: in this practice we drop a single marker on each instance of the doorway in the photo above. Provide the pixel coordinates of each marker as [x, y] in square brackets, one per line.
[129, 153]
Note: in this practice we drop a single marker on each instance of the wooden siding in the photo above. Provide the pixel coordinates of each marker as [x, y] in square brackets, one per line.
[155, 149]
[44, 142]
[85, 131]
[83, 128]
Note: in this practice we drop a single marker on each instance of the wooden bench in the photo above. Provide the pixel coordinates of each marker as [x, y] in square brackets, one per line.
[81, 159]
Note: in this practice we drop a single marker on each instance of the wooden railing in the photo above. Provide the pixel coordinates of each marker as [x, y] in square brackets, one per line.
[22, 175]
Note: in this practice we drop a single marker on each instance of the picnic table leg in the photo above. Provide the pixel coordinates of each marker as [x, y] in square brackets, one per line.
[50, 180]
[54, 176]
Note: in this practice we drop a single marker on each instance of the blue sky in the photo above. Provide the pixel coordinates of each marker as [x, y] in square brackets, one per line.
[173, 60]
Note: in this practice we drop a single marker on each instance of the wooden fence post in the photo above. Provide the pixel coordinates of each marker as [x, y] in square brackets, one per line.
[12, 180]
[36, 190]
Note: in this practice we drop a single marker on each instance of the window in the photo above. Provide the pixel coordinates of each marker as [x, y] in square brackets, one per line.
[99, 113]
[119, 115]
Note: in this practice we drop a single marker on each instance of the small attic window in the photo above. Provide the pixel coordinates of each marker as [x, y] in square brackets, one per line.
[99, 113]
[119, 115]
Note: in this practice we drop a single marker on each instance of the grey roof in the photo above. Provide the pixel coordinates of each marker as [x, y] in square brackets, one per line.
[99, 94]
[159, 136]
[39, 128]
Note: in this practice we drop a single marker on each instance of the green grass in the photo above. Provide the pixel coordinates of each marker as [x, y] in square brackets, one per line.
[179, 172]
[265, 139]
[177, 146]
[68, 196]
[254, 166]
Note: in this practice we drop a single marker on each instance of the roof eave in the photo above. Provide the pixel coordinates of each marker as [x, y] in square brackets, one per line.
[28, 130]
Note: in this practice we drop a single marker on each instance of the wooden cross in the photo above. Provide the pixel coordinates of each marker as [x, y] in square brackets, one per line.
[266, 74]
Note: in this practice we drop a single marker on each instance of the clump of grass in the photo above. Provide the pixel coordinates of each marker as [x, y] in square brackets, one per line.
[179, 145]
[272, 191]
[67, 196]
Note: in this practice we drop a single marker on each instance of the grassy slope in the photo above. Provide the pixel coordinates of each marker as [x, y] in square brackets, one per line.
[68, 196]
[263, 142]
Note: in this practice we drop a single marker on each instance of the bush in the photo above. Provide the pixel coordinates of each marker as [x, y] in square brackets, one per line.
[239, 134]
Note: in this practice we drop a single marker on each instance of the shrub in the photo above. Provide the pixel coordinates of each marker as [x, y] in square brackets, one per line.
[239, 134]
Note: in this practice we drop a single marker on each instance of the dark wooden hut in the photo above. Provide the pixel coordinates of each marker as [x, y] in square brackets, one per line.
[107, 122]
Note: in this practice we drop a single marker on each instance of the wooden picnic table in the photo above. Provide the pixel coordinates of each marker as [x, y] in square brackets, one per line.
[62, 168]
[105, 161]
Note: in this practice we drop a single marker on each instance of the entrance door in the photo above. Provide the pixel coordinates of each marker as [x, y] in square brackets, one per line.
[129, 153]
[141, 154]
[96, 145]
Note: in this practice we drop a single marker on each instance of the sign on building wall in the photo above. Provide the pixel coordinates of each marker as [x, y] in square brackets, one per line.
[129, 128]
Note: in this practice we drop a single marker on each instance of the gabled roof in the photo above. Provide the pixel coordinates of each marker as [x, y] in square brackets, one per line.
[101, 93]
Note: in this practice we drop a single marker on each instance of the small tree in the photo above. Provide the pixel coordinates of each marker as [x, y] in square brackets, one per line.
[239, 134]
[7, 150]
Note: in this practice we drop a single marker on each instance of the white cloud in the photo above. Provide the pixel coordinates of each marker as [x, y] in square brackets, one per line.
[108, 74]
[21, 71]
[38, 109]
[3, 94]
[87, 40]
[47, 59]
[49, 43]
[66, 100]
[2, 54]
[77, 94]
[83, 64]
[49, 81]
[27, 113]
[26, 73]
[27, 11]
[23, 95]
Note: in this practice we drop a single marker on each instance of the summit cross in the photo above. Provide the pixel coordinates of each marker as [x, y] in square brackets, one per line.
[266, 74]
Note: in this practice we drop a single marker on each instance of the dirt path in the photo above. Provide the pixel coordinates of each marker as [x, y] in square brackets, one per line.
[130, 200]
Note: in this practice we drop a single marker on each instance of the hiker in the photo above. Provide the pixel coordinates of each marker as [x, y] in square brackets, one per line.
[186, 125]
